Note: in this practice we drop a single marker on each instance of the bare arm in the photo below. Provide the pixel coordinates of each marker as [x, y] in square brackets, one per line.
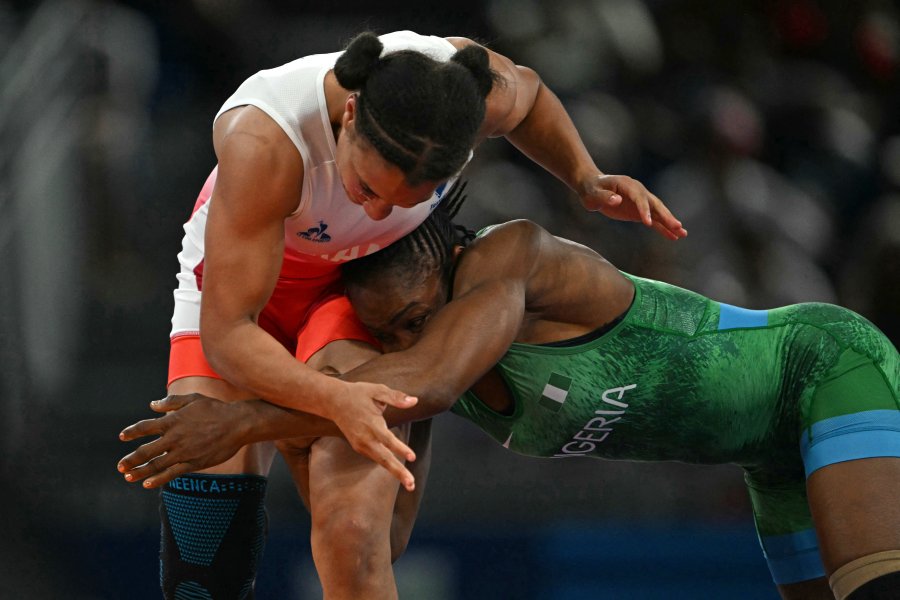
[198, 431]
[461, 342]
[470, 334]
[532, 118]
[258, 186]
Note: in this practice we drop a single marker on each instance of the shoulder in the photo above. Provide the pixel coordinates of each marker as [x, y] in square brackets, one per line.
[257, 158]
[518, 233]
[513, 94]
[247, 130]
[504, 251]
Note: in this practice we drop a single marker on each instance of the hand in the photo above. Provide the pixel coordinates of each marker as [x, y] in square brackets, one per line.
[196, 433]
[625, 199]
[358, 414]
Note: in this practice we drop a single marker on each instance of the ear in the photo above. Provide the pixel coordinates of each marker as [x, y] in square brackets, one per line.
[457, 252]
[349, 111]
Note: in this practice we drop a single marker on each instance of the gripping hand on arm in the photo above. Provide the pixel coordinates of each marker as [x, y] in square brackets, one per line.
[259, 178]
[197, 432]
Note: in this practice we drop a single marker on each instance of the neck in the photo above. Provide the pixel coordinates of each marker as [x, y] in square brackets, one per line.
[335, 101]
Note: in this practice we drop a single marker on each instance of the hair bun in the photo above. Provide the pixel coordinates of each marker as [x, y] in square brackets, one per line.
[358, 61]
[476, 60]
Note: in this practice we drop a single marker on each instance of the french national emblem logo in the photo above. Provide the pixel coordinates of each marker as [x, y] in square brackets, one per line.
[315, 234]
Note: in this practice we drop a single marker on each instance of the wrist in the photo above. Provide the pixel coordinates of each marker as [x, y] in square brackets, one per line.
[247, 422]
[330, 393]
[585, 179]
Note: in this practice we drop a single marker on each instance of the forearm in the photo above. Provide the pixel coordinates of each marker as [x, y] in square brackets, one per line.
[248, 357]
[436, 389]
[262, 421]
[548, 136]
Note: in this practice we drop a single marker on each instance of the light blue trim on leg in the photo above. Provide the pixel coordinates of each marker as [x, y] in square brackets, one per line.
[793, 557]
[867, 434]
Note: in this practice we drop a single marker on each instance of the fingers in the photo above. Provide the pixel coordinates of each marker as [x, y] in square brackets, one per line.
[396, 446]
[396, 399]
[142, 429]
[154, 464]
[641, 199]
[158, 464]
[172, 402]
[608, 191]
[169, 474]
[664, 215]
[384, 457]
[145, 453]
[664, 231]
[600, 199]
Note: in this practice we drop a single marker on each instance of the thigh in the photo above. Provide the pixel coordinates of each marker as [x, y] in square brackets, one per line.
[855, 509]
[339, 478]
[342, 481]
[254, 459]
[851, 453]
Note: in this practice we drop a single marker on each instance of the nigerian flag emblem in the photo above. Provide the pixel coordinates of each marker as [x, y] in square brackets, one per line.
[555, 392]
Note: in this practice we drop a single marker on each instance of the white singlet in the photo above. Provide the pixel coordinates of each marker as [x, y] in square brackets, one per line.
[327, 228]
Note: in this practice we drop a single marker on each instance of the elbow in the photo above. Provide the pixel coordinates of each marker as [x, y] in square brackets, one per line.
[210, 343]
[529, 84]
[435, 397]
[441, 396]
[444, 402]
[213, 340]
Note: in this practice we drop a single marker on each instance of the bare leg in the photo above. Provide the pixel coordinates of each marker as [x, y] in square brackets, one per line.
[856, 510]
[352, 500]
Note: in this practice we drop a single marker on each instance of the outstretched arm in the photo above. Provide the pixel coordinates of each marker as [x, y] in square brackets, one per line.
[532, 118]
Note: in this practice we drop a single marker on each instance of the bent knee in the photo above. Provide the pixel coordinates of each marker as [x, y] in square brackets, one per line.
[348, 529]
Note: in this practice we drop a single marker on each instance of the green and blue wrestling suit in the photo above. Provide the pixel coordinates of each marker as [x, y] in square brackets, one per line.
[780, 392]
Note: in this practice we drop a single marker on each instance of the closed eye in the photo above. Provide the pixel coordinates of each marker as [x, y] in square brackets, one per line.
[367, 191]
[416, 325]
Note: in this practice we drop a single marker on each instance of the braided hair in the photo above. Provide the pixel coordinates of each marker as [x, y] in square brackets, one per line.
[419, 254]
[419, 114]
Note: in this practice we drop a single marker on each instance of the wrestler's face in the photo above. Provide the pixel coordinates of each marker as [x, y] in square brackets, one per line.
[370, 180]
[396, 310]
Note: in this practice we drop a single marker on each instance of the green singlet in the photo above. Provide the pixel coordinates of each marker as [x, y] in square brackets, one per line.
[780, 392]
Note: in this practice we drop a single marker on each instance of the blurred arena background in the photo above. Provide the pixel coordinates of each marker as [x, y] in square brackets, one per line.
[771, 128]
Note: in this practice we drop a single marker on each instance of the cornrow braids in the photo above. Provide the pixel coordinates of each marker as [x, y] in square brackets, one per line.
[419, 114]
[420, 253]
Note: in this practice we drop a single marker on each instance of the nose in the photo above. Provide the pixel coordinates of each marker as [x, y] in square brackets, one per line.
[377, 209]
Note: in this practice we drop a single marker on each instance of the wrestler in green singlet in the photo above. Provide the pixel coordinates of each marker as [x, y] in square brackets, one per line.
[682, 377]
[555, 353]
